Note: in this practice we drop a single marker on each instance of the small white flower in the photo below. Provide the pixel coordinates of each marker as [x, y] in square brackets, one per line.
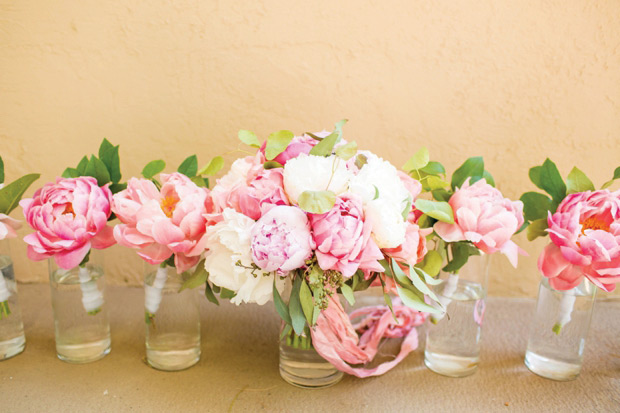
[228, 244]
[315, 173]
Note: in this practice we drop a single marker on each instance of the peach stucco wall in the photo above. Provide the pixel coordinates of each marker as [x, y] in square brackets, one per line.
[515, 81]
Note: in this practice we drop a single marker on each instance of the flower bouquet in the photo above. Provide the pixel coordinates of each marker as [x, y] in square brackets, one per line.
[470, 220]
[314, 214]
[12, 340]
[583, 225]
[70, 219]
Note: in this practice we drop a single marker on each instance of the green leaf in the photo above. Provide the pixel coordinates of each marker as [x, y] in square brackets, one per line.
[114, 188]
[272, 165]
[424, 221]
[434, 183]
[189, 166]
[413, 280]
[489, 178]
[213, 167]
[534, 175]
[307, 303]
[81, 167]
[616, 176]
[439, 210]
[199, 181]
[431, 264]
[347, 293]
[461, 251]
[360, 161]
[153, 168]
[108, 154]
[1, 170]
[441, 195]
[577, 181]
[411, 300]
[535, 205]
[210, 295]
[407, 209]
[295, 310]
[325, 147]
[285, 331]
[281, 306]
[338, 127]
[12, 193]
[316, 311]
[277, 143]
[70, 173]
[199, 277]
[433, 168]
[537, 229]
[97, 169]
[472, 168]
[347, 151]
[317, 202]
[551, 181]
[227, 294]
[418, 161]
[249, 138]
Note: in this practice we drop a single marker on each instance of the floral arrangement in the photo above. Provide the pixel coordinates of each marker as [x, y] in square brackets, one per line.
[583, 225]
[165, 221]
[315, 212]
[9, 199]
[468, 216]
[71, 216]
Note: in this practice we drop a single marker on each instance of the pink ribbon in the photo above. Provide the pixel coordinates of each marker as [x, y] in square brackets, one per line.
[336, 339]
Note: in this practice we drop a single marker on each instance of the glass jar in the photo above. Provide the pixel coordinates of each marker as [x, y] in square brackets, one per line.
[453, 339]
[559, 330]
[172, 318]
[12, 339]
[81, 321]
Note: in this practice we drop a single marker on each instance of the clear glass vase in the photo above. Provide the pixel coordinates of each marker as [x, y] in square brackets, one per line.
[172, 320]
[453, 339]
[12, 339]
[302, 366]
[80, 312]
[559, 330]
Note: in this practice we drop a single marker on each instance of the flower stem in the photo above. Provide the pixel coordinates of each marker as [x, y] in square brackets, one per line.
[92, 298]
[567, 303]
[153, 293]
[302, 342]
[4, 296]
[444, 297]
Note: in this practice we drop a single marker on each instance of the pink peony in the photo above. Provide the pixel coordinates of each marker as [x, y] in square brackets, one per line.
[299, 145]
[343, 238]
[8, 227]
[483, 216]
[413, 250]
[281, 240]
[585, 241]
[165, 222]
[69, 217]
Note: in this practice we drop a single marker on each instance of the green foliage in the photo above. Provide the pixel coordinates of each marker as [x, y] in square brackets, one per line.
[472, 168]
[616, 176]
[11, 194]
[317, 202]
[407, 208]
[537, 229]
[105, 167]
[431, 264]
[307, 302]
[418, 161]
[326, 145]
[489, 178]
[347, 151]
[277, 143]
[577, 181]
[441, 195]
[196, 279]
[97, 169]
[295, 309]
[281, 306]
[535, 205]
[249, 138]
[272, 165]
[213, 167]
[551, 181]
[461, 251]
[1, 170]
[109, 155]
[433, 168]
[347, 293]
[153, 168]
[189, 166]
[210, 295]
[439, 210]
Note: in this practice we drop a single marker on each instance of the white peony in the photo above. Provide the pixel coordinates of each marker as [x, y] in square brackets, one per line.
[228, 243]
[385, 197]
[314, 173]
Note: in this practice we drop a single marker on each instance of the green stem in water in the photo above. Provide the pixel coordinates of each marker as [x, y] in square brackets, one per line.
[557, 328]
[5, 311]
[303, 342]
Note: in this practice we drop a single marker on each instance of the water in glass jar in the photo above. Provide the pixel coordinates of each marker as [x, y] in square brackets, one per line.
[12, 339]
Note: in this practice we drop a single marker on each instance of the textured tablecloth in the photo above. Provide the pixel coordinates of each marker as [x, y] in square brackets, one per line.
[239, 368]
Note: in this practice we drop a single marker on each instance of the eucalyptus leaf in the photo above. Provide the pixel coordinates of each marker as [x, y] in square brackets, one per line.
[551, 181]
[189, 167]
[418, 161]
[199, 181]
[439, 210]
[272, 165]
[537, 229]
[472, 168]
[347, 293]
[249, 138]
[227, 294]
[577, 181]
[210, 295]
[347, 151]
[97, 169]
[325, 147]
[153, 168]
[277, 143]
[441, 195]
[295, 309]
[360, 161]
[434, 183]
[433, 168]
[338, 127]
[11, 194]
[316, 311]
[424, 221]
[407, 209]
[411, 300]
[461, 252]
[199, 277]
[317, 202]
[281, 306]
[307, 303]
[213, 167]
[431, 264]
[535, 205]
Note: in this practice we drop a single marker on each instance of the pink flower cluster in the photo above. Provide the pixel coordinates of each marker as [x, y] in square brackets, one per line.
[585, 241]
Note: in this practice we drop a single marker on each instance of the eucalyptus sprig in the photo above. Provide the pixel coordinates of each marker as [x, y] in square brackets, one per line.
[189, 168]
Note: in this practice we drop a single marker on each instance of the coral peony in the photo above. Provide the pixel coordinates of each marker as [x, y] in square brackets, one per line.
[161, 223]
[69, 217]
[585, 241]
[342, 237]
[483, 216]
[281, 240]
